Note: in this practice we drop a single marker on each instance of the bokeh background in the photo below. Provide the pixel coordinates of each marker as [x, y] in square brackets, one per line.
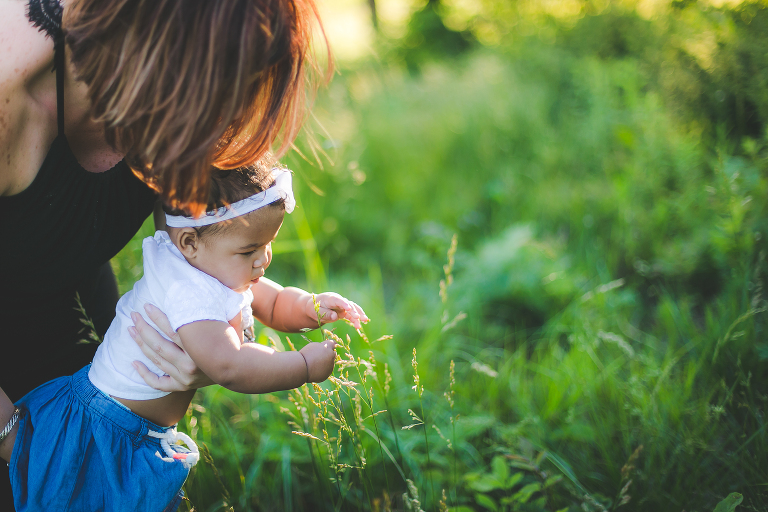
[595, 339]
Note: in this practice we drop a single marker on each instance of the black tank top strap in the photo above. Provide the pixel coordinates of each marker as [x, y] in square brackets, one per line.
[58, 63]
[46, 15]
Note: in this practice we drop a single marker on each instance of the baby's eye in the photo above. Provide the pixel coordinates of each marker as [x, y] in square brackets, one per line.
[250, 253]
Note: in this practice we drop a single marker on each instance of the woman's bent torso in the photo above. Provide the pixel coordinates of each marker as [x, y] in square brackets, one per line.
[62, 221]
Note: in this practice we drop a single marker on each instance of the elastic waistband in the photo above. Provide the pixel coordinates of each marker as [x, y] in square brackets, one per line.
[104, 405]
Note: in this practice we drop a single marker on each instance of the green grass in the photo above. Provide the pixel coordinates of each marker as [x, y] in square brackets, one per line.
[600, 339]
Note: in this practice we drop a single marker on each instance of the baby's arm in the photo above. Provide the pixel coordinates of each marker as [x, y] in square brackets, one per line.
[292, 309]
[253, 368]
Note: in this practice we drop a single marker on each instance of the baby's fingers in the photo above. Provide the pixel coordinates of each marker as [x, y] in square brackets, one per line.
[327, 315]
[353, 316]
[330, 315]
[330, 300]
[363, 317]
[334, 307]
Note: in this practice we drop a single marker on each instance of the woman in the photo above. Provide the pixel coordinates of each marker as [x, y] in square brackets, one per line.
[145, 96]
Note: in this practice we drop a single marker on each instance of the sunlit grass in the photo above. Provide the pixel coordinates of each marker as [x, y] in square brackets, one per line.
[573, 271]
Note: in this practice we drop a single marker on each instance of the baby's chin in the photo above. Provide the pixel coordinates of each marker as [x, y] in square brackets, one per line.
[245, 287]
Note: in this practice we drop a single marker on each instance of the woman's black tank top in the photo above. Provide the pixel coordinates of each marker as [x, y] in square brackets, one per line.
[56, 240]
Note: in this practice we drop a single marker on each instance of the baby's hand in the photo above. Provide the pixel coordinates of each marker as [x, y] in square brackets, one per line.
[320, 358]
[334, 307]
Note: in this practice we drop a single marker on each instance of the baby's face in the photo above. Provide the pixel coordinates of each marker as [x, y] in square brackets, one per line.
[240, 255]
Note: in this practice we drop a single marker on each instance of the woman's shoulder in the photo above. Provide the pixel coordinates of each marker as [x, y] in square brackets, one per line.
[27, 97]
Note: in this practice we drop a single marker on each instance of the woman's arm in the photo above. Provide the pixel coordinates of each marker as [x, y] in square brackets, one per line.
[251, 367]
[6, 411]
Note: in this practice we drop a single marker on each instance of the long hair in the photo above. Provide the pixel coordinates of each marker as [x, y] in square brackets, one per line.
[185, 85]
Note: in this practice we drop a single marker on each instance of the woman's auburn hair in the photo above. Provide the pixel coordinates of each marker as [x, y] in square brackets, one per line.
[184, 85]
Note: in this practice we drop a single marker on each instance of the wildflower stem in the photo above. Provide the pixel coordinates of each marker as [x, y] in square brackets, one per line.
[426, 441]
[420, 391]
[394, 431]
[451, 397]
[375, 424]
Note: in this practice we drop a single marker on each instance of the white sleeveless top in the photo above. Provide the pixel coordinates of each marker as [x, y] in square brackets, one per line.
[184, 293]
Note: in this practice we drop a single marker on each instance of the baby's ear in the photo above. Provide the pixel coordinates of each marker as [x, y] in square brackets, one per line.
[188, 242]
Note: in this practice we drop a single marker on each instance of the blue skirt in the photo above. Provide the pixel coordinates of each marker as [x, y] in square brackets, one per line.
[79, 450]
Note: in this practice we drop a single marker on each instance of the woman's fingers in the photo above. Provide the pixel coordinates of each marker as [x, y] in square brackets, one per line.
[162, 322]
[174, 352]
[164, 383]
[156, 349]
[152, 344]
[181, 371]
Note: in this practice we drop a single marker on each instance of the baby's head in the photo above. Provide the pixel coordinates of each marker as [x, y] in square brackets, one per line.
[232, 241]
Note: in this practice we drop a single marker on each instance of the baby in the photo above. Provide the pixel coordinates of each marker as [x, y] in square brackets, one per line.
[103, 439]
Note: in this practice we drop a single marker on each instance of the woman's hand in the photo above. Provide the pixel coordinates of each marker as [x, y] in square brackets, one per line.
[182, 372]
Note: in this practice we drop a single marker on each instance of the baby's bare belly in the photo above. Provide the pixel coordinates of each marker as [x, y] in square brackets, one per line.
[164, 411]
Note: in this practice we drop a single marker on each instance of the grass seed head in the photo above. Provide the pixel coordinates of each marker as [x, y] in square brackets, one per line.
[387, 379]
[417, 387]
[443, 505]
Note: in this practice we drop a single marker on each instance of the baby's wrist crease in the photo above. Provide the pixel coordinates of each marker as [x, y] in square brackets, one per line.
[306, 365]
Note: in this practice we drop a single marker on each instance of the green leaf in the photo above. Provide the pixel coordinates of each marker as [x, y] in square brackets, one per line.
[552, 481]
[524, 494]
[566, 470]
[485, 501]
[524, 466]
[485, 483]
[514, 480]
[730, 503]
[500, 468]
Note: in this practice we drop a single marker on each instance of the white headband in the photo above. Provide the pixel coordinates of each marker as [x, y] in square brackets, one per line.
[282, 189]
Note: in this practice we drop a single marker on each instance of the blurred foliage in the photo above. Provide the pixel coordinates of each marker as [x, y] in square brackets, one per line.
[427, 38]
[604, 170]
[710, 64]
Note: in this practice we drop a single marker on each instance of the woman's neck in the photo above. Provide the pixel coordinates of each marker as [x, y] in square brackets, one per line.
[85, 136]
